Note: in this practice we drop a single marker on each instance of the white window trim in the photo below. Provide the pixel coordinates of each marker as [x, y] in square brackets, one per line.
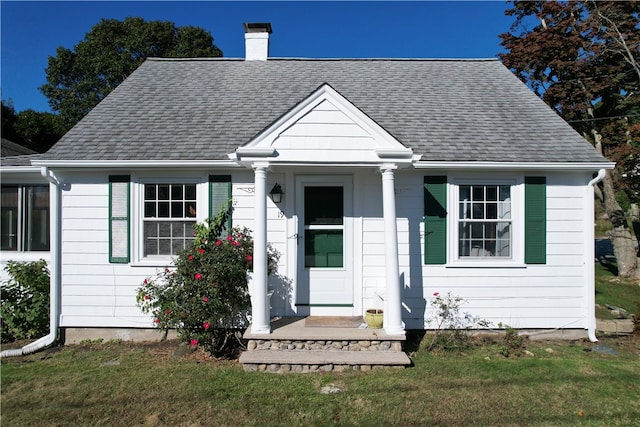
[516, 260]
[137, 218]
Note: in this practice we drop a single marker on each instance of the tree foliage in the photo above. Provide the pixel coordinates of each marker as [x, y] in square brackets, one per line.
[80, 78]
[29, 128]
[24, 311]
[581, 58]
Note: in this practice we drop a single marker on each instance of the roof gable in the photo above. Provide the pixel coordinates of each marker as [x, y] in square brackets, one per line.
[324, 128]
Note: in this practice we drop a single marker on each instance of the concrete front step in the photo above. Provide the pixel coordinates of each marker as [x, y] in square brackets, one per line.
[321, 360]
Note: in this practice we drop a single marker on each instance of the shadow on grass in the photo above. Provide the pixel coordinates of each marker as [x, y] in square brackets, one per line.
[611, 267]
[414, 338]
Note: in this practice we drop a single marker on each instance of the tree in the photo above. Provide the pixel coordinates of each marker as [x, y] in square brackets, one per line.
[78, 79]
[35, 130]
[9, 118]
[581, 58]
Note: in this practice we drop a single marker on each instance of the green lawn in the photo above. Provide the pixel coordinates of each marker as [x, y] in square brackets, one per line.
[123, 384]
[615, 291]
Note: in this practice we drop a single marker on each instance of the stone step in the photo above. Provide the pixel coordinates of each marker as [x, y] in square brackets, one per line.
[615, 326]
[323, 357]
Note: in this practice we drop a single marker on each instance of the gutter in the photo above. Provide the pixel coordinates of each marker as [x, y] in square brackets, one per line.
[510, 166]
[589, 259]
[147, 164]
[54, 268]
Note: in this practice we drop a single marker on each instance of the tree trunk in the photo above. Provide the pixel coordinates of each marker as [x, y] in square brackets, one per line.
[634, 214]
[623, 244]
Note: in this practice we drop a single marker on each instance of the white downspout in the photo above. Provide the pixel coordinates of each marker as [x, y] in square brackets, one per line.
[589, 257]
[54, 268]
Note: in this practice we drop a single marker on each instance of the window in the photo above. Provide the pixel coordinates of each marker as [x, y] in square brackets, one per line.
[160, 213]
[476, 221]
[25, 218]
[484, 224]
[169, 215]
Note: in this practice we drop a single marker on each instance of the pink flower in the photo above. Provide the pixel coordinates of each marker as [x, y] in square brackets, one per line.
[249, 258]
[145, 281]
[206, 326]
[205, 298]
[235, 243]
[157, 320]
[147, 297]
[229, 237]
[194, 342]
[167, 311]
[218, 243]
[436, 294]
[198, 276]
[201, 250]
[190, 257]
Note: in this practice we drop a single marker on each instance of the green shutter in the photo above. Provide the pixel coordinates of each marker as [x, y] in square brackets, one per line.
[535, 220]
[219, 195]
[435, 219]
[119, 228]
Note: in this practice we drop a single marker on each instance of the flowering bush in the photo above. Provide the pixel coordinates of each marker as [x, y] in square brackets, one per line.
[450, 324]
[205, 297]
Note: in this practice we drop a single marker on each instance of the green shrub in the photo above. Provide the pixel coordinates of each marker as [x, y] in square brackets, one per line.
[512, 343]
[25, 301]
[205, 297]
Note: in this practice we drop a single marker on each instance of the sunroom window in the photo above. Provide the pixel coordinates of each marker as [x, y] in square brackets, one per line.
[25, 218]
[485, 223]
[169, 215]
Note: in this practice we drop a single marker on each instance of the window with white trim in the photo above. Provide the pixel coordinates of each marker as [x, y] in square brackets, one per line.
[169, 213]
[25, 218]
[484, 221]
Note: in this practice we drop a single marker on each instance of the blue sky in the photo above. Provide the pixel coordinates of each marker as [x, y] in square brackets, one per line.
[32, 30]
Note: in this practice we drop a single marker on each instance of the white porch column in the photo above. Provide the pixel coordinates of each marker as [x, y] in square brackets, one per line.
[393, 305]
[260, 309]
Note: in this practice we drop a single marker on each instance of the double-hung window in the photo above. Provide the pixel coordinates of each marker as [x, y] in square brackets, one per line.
[25, 218]
[168, 218]
[484, 221]
[165, 213]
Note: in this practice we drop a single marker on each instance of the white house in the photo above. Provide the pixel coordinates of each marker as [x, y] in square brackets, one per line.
[401, 178]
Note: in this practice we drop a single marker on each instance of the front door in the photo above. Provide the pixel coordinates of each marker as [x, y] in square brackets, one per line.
[325, 272]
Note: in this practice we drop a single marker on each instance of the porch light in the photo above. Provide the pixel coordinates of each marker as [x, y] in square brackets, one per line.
[276, 193]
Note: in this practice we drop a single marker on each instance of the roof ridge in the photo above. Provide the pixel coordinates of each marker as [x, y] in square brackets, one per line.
[279, 59]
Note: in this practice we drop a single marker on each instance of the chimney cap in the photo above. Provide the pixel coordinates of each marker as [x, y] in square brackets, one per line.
[257, 27]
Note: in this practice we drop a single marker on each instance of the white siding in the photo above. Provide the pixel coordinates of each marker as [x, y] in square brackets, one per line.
[533, 296]
[97, 293]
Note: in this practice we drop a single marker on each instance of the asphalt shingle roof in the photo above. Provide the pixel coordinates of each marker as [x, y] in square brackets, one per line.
[10, 148]
[203, 109]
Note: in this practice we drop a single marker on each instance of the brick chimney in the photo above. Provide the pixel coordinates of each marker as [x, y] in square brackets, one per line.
[256, 40]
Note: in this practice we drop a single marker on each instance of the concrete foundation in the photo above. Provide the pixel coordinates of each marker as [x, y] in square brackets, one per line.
[78, 335]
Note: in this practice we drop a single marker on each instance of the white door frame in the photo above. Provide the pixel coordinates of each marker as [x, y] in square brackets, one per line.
[305, 277]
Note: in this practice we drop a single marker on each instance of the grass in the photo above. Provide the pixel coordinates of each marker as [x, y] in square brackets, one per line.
[121, 384]
[615, 291]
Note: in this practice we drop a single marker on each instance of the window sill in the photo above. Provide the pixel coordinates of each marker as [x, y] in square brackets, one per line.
[485, 264]
[158, 263]
[25, 256]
